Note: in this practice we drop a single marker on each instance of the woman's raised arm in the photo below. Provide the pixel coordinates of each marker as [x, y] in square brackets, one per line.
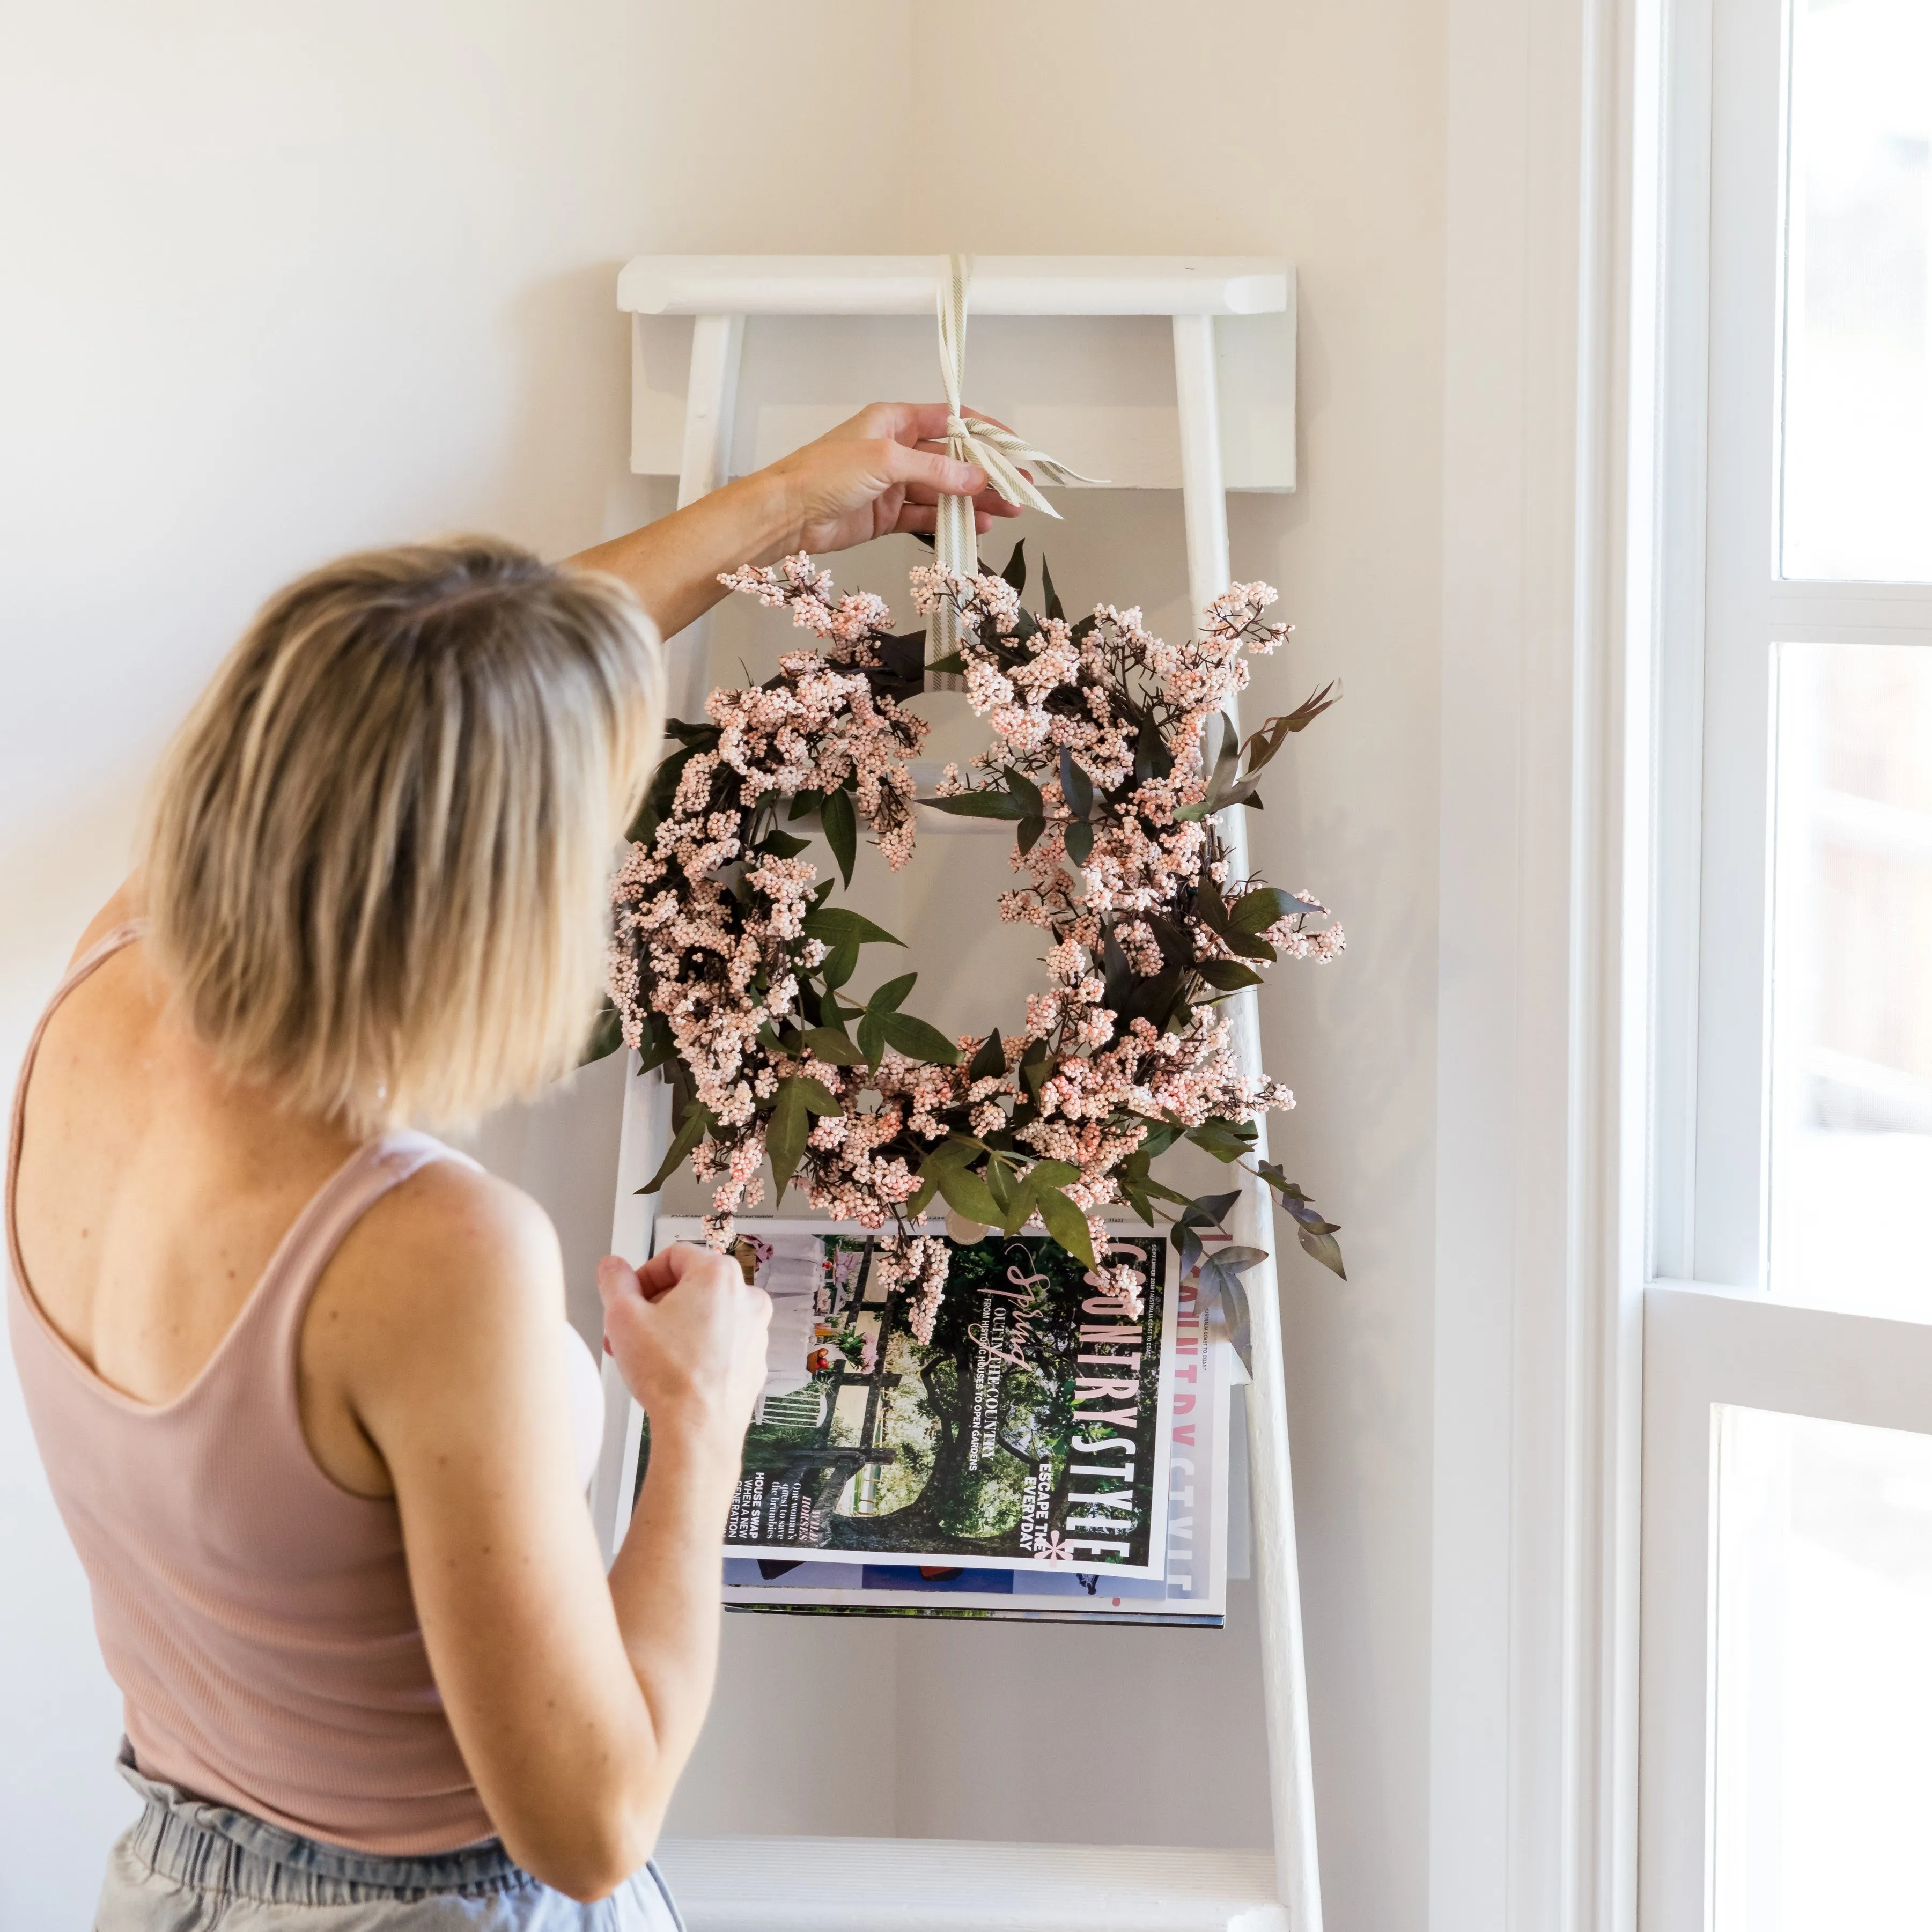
[868, 477]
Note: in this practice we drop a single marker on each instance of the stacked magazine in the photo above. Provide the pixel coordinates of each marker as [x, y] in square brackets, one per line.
[1042, 1457]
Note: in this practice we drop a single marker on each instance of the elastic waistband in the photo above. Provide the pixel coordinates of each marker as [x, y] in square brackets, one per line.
[219, 1850]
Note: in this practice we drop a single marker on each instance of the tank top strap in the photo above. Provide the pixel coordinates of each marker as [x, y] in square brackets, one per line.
[282, 1296]
[102, 950]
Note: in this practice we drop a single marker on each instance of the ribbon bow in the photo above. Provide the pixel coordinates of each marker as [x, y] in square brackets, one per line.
[998, 451]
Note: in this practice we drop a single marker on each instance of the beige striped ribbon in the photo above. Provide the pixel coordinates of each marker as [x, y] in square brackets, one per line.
[998, 451]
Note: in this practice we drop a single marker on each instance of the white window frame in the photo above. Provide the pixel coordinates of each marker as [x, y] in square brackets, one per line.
[1731, 608]
[1712, 1335]
[1611, 607]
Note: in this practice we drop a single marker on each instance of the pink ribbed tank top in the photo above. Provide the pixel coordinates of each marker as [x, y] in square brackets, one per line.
[256, 1617]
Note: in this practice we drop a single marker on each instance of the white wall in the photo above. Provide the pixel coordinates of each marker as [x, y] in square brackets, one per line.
[283, 279]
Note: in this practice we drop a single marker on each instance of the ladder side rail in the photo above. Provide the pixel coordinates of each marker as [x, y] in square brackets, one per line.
[1284, 1675]
[716, 345]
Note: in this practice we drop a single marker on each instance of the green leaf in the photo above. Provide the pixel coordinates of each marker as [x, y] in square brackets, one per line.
[657, 1045]
[1051, 595]
[1221, 1272]
[842, 830]
[990, 1058]
[892, 995]
[1152, 759]
[1223, 1139]
[1015, 572]
[607, 1035]
[1066, 1223]
[1317, 1235]
[1036, 1066]
[836, 924]
[917, 1041]
[1264, 744]
[1320, 1242]
[1053, 1173]
[781, 844]
[1152, 1000]
[1228, 975]
[958, 1148]
[922, 1196]
[1303, 715]
[1080, 842]
[687, 1137]
[978, 805]
[1030, 832]
[1255, 911]
[952, 665]
[1023, 789]
[841, 963]
[804, 804]
[872, 1037]
[818, 1097]
[1161, 1192]
[964, 1190]
[1000, 1179]
[1012, 1198]
[1228, 753]
[1075, 787]
[1209, 1210]
[1246, 945]
[830, 1043]
[785, 1134]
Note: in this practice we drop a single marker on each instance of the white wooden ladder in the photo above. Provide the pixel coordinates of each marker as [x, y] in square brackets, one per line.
[754, 1885]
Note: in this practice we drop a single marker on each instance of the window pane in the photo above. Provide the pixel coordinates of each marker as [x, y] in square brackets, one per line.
[1852, 1006]
[1857, 405]
[1824, 1677]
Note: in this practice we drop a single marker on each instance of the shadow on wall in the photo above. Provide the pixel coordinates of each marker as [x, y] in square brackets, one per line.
[562, 1150]
[565, 480]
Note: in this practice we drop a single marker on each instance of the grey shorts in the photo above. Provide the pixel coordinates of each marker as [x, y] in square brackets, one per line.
[187, 1865]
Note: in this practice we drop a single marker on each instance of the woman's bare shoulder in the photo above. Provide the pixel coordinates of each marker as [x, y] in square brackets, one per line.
[452, 1242]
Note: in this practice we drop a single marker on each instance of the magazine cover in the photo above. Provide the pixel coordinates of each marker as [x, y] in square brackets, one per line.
[1193, 1591]
[1029, 1433]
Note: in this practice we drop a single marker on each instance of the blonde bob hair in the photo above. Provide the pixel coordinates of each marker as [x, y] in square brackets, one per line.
[378, 865]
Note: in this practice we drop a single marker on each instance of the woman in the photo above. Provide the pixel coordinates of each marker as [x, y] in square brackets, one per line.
[297, 1371]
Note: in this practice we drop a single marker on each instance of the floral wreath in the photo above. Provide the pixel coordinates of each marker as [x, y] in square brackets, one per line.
[1111, 755]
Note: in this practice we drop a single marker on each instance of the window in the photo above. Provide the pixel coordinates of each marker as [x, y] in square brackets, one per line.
[1823, 1706]
[1787, 1473]
[1857, 467]
[1851, 1140]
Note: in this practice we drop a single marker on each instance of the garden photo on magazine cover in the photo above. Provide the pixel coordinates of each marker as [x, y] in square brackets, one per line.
[1027, 1432]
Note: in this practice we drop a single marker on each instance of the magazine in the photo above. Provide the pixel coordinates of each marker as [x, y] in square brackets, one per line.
[1192, 1592]
[1031, 1433]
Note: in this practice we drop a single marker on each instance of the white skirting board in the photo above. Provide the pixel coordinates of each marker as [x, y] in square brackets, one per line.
[944, 1885]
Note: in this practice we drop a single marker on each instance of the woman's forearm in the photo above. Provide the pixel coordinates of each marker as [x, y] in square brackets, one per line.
[673, 564]
[665, 1584]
